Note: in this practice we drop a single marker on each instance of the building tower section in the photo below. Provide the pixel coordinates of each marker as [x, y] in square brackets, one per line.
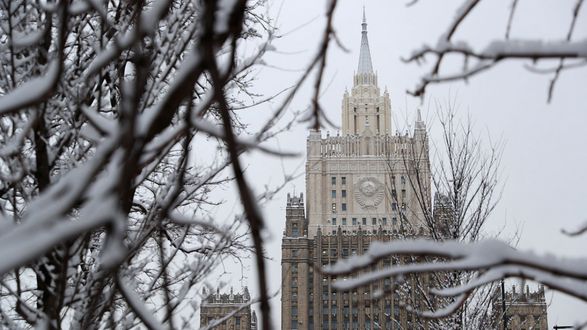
[524, 309]
[362, 176]
[216, 306]
[365, 108]
[358, 190]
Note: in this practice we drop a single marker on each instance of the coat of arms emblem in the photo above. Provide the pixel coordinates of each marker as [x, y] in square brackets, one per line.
[369, 192]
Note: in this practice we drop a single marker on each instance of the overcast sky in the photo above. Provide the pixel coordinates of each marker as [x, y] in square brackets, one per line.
[545, 154]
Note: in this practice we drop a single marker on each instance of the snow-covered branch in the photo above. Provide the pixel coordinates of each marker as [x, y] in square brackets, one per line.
[495, 51]
[490, 260]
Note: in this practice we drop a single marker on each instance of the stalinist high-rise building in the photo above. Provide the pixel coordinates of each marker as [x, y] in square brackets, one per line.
[358, 190]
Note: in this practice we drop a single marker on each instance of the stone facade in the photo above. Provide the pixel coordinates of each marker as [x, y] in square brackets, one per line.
[358, 190]
[218, 306]
[308, 300]
[524, 309]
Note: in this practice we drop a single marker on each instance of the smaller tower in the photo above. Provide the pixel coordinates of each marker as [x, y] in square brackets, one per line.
[254, 321]
[216, 307]
[526, 309]
[443, 216]
[421, 138]
[295, 218]
[295, 249]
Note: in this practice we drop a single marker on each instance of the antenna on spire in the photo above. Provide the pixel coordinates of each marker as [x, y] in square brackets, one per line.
[364, 16]
[364, 24]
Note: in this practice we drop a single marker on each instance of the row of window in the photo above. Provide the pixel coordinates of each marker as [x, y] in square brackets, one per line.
[342, 180]
[354, 221]
[366, 232]
[342, 193]
[343, 207]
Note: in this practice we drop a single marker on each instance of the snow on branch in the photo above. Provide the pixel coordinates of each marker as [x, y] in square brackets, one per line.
[501, 49]
[32, 91]
[495, 51]
[491, 260]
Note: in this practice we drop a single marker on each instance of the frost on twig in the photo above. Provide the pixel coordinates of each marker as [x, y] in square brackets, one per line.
[495, 51]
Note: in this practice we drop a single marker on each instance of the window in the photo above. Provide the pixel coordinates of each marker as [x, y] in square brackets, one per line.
[354, 221]
[364, 221]
[374, 221]
[237, 321]
[333, 207]
[344, 221]
[403, 194]
[343, 180]
[295, 231]
[394, 221]
[384, 221]
[334, 194]
[394, 206]
[334, 221]
[343, 194]
[403, 178]
[343, 206]
[333, 181]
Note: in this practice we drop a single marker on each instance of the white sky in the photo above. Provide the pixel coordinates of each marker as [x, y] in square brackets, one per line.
[545, 154]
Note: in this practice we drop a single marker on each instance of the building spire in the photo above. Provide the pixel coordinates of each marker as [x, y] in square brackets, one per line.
[420, 125]
[365, 65]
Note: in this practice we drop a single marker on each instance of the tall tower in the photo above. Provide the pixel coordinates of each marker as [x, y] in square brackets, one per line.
[365, 108]
[357, 191]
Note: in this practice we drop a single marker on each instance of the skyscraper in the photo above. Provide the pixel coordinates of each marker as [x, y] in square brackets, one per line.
[357, 191]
